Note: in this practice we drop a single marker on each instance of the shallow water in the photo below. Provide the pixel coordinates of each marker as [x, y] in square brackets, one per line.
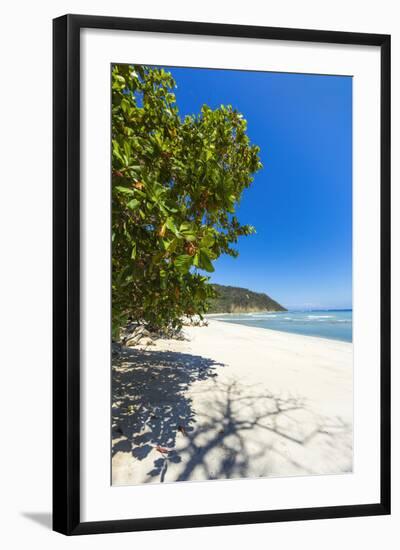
[333, 324]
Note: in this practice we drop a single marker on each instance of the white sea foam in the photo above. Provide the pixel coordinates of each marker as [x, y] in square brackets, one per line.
[262, 315]
[247, 319]
[320, 316]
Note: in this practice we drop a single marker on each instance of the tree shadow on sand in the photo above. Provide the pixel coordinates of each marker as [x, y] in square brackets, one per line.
[247, 431]
[150, 405]
[236, 431]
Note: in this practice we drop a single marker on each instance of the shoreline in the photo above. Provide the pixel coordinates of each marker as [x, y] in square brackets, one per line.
[232, 401]
[216, 317]
[283, 332]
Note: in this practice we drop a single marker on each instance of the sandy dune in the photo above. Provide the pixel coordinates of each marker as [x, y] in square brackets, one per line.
[232, 401]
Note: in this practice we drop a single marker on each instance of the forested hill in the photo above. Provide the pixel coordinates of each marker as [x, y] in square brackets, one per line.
[232, 299]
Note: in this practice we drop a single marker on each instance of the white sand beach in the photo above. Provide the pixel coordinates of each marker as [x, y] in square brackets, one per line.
[231, 401]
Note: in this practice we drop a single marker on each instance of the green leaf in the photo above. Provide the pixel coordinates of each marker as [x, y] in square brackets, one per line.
[127, 148]
[185, 226]
[172, 227]
[171, 245]
[205, 262]
[133, 253]
[133, 204]
[207, 241]
[125, 105]
[188, 231]
[125, 190]
[183, 262]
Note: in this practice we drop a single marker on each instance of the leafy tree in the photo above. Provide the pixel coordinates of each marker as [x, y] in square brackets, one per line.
[175, 185]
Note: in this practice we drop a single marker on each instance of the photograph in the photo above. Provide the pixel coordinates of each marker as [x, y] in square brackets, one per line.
[231, 272]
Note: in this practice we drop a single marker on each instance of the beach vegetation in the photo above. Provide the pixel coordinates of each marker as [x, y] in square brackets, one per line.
[176, 184]
[232, 299]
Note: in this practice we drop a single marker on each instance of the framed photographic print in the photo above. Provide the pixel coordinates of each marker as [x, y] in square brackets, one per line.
[221, 274]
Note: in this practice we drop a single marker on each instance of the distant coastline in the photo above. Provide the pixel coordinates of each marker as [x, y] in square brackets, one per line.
[233, 299]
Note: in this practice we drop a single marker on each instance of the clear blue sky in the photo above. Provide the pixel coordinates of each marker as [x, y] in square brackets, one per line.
[301, 201]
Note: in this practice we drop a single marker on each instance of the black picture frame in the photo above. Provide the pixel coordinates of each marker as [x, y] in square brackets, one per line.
[66, 273]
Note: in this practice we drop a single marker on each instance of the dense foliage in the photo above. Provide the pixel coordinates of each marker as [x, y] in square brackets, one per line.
[232, 299]
[175, 185]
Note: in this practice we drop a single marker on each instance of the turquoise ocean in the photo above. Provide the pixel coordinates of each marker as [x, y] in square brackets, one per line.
[336, 324]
